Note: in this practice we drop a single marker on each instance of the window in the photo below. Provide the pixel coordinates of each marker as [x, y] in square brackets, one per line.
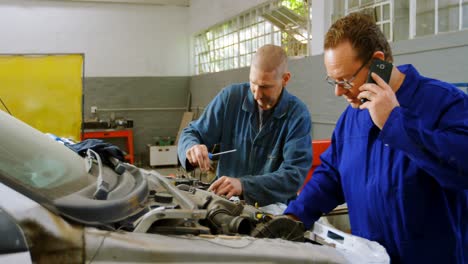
[438, 16]
[382, 11]
[425, 17]
[430, 17]
[287, 23]
[231, 44]
[448, 15]
[401, 20]
[465, 14]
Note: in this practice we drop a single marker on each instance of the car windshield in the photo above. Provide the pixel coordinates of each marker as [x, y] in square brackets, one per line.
[35, 161]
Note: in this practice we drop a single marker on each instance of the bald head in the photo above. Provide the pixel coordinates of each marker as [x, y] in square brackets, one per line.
[269, 58]
[268, 75]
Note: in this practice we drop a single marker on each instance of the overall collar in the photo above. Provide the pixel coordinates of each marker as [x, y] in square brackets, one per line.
[406, 91]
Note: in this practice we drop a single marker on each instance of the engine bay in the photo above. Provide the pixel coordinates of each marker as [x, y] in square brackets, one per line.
[144, 201]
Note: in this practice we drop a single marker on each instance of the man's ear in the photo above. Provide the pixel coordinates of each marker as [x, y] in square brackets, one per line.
[379, 55]
[286, 78]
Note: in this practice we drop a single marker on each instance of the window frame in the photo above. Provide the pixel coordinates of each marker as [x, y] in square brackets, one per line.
[248, 30]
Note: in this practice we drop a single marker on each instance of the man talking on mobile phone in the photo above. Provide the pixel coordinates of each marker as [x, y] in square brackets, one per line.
[398, 159]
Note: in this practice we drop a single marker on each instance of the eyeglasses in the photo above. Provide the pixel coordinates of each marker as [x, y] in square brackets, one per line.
[347, 84]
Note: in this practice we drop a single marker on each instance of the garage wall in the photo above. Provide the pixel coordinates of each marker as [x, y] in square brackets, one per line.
[134, 55]
[442, 56]
[138, 55]
[140, 94]
[117, 39]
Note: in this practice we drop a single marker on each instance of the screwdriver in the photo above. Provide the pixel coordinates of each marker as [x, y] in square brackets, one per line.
[211, 155]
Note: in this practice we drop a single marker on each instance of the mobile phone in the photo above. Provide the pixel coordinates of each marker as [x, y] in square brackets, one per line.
[381, 68]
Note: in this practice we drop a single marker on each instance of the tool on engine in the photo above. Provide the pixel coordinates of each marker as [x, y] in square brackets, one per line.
[211, 155]
[264, 217]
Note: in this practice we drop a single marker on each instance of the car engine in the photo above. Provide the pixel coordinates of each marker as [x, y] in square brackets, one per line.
[144, 201]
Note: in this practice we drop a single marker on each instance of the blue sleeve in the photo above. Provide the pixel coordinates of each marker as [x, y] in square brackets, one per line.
[441, 151]
[283, 183]
[205, 130]
[322, 193]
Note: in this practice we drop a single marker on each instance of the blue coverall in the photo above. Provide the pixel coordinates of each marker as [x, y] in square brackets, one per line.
[272, 162]
[405, 184]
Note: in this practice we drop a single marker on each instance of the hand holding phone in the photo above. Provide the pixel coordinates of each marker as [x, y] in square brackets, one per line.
[381, 68]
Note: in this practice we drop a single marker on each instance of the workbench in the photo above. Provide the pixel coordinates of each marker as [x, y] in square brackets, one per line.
[127, 134]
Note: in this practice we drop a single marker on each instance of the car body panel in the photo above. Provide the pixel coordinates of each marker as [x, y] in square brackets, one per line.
[138, 248]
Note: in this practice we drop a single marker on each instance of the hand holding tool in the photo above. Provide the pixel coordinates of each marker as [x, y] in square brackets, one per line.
[211, 155]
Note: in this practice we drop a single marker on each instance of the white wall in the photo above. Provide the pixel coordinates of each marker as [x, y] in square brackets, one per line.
[117, 39]
[206, 13]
